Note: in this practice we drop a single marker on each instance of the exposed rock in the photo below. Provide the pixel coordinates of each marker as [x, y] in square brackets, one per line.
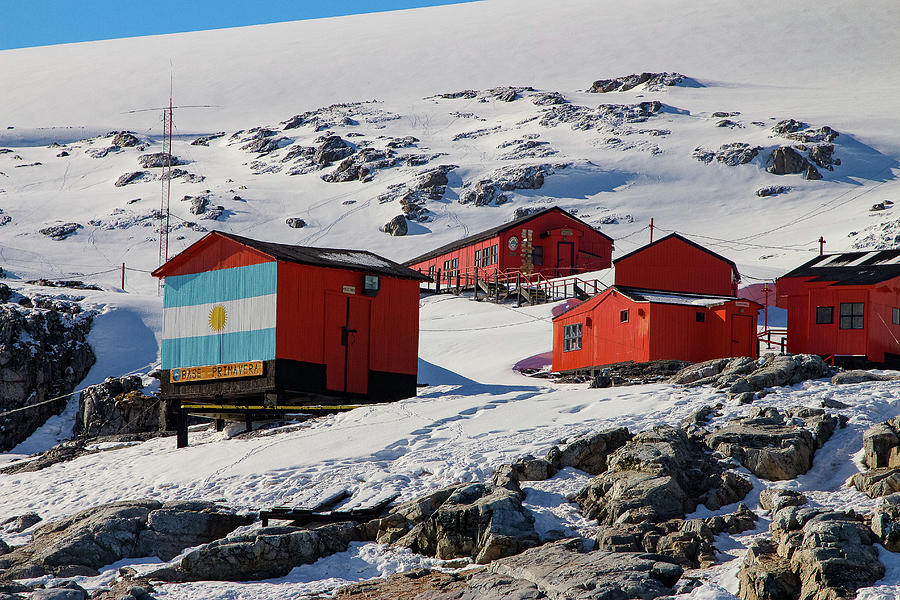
[526, 148]
[60, 232]
[881, 445]
[771, 447]
[396, 226]
[21, 523]
[414, 197]
[772, 190]
[340, 115]
[213, 212]
[637, 373]
[732, 154]
[101, 152]
[206, 139]
[548, 99]
[651, 483]
[479, 521]
[330, 149]
[786, 160]
[823, 156]
[744, 374]
[845, 377]
[652, 81]
[198, 204]
[584, 118]
[882, 481]
[589, 453]
[719, 114]
[801, 132]
[489, 191]
[158, 159]
[361, 166]
[100, 536]
[728, 123]
[132, 177]
[404, 142]
[263, 144]
[813, 554]
[886, 522]
[775, 499]
[115, 407]
[295, 222]
[125, 139]
[787, 126]
[467, 94]
[43, 355]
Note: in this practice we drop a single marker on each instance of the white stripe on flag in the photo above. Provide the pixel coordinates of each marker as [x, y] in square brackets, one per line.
[245, 314]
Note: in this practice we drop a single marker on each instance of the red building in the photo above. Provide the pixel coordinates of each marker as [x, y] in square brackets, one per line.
[560, 244]
[672, 299]
[845, 305]
[254, 323]
[675, 263]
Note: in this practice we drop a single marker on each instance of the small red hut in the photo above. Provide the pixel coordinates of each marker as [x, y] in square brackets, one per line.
[845, 305]
[552, 242]
[672, 299]
[257, 324]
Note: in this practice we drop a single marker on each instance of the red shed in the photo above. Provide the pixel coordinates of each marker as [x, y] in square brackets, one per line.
[675, 263]
[259, 324]
[845, 305]
[561, 244]
[630, 324]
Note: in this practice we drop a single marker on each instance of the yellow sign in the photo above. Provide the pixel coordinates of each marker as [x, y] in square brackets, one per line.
[205, 373]
[565, 232]
[217, 318]
[349, 289]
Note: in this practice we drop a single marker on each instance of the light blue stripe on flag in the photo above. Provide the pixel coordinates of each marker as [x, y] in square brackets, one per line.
[225, 348]
[221, 285]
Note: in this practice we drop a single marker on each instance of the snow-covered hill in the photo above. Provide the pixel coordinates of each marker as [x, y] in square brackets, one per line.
[411, 94]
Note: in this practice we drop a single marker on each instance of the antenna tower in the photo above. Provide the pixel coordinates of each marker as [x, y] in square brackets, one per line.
[166, 184]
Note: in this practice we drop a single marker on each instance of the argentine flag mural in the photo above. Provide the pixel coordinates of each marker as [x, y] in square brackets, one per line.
[219, 317]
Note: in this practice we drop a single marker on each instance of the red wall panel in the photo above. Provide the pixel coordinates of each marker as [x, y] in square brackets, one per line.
[214, 252]
[675, 265]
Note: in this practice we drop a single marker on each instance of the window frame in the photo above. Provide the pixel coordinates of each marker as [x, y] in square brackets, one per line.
[494, 250]
[895, 315]
[623, 315]
[700, 316]
[850, 320]
[820, 316]
[573, 337]
[537, 255]
[478, 257]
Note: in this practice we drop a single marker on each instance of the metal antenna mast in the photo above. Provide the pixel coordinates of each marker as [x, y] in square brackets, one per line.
[166, 181]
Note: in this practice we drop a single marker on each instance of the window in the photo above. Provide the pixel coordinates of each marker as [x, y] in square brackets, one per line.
[455, 267]
[623, 316]
[537, 255]
[852, 315]
[824, 315]
[895, 316]
[477, 258]
[485, 257]
[572, 337]
[494, 254]
[701, 316]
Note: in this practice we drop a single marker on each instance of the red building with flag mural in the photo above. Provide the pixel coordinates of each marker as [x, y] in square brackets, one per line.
[672, 299]
[268, 326]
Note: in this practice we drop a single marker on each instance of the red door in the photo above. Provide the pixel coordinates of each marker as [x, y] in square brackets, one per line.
[742, 335]
[347, 343]
[565, 258]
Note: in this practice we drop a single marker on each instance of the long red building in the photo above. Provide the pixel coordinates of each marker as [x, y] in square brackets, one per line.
[845, 305]
[672, 299]
[551, 242]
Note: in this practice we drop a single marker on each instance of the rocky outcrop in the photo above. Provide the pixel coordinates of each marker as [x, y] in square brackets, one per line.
[361, 166]
[772, 447]
[489, 191]
[157, 160]
[584, 118]
[43, 355]
[793, 129]
[125, 139]
[330, 149]
[785, 161]
[732, 154]
[88, 540]
[548, 99]
[650, 484]
[262, 554]
[115, 407]
[132, 177]
[479, 521]
[637, 373]
[744, 374]
[204, 140]
[295, 222]
[414, 197]
[60, 232]
[845, 377]
[396, 226]
[812, 554]
[881, 454]
[772, 190]
[652, 81]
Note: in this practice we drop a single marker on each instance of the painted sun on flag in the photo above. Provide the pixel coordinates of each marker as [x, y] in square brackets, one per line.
[218, 318]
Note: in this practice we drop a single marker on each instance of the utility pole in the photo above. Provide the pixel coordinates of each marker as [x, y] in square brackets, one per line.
[651, 230]
[821, 245]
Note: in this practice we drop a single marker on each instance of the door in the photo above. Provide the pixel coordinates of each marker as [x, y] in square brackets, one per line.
[347, 343]
[742, 338]
[565, 258]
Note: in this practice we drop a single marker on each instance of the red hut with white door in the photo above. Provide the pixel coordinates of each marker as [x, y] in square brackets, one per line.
[672, 299]
[551, 242]
[258, 324]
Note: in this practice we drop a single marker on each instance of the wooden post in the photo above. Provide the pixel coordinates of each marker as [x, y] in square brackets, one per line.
[457, 283]
[123, 277]
[518, 289]
[248, 420]
[651, 230]
[437, 282]
[475, 296]
[220, 424]
[821, 245]
[496, 287]
[181, 429]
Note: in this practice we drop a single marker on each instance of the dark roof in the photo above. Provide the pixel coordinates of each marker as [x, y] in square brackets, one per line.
[852, 268]
[687, 241]
[489, 233]
[335, 258]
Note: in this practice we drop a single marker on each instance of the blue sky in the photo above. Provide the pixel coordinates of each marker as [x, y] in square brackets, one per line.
[25, 23]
